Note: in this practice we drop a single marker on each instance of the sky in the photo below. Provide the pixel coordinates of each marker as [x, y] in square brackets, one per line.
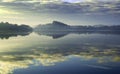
[72, 12]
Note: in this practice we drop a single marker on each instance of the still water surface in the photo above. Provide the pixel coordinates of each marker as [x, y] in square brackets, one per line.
[60, 54]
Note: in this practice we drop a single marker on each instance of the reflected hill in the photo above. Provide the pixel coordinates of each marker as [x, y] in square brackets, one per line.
[57, 29]
[53, 34]
[59, 34]
[12, 30]
[8, 35]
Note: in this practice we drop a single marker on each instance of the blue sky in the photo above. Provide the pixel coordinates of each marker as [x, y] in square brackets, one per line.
[72, 12]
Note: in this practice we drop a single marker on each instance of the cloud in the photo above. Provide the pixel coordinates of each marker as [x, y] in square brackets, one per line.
[99, 67]
[31, 1]
[4, 11]
[71, 1]
[64, 6]
[7, 0]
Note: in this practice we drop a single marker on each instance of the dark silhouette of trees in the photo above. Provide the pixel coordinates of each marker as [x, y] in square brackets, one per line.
[7, 27]
[9, 30]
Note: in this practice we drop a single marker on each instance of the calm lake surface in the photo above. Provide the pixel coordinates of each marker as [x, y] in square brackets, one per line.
[84, 53]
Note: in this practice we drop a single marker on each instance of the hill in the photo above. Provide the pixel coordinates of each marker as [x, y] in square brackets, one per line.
[59, 26]
[13, 28]
[54, 26]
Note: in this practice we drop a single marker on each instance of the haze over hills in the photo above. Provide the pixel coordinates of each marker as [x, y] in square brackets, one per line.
[58, 29]
[59, 26]
[54, 26]
[55, 29]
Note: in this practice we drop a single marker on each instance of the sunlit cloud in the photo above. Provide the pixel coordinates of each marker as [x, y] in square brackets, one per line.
[8, 0]
[4, 11]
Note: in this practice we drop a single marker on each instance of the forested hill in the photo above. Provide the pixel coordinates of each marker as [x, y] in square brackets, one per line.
[7, 27]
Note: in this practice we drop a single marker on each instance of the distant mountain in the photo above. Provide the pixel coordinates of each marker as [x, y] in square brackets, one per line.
[58, 29]
[54, 26]
[59, 26]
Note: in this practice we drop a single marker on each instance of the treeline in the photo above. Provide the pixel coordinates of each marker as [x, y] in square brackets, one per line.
[7, 27]
[97, 28]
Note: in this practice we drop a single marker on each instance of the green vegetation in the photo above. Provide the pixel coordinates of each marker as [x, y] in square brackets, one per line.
[13, 28]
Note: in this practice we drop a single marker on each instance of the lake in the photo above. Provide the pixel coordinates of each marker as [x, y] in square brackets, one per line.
[65, 53]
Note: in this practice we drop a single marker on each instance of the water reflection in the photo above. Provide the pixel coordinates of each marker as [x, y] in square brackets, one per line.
[45, 51]
[55, 34]
[8, 35]
[59, 34]
[15, 60]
